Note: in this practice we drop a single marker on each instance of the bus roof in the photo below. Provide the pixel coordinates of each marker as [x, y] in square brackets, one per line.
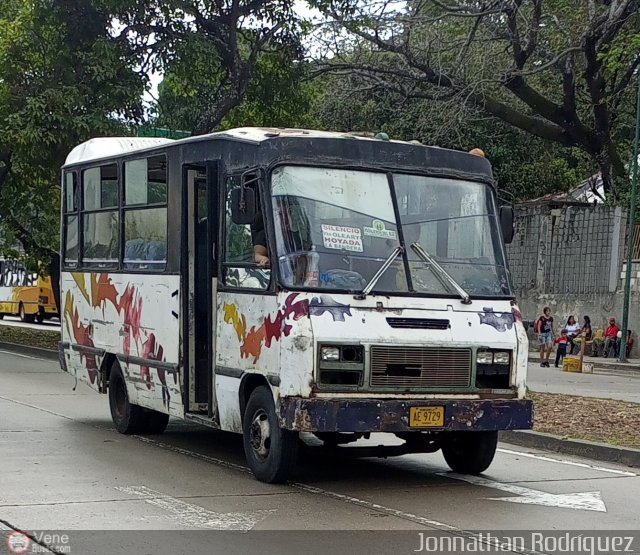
[269, 144]
[105, 147]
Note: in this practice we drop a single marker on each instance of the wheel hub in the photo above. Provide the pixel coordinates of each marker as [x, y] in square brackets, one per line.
[260, 434]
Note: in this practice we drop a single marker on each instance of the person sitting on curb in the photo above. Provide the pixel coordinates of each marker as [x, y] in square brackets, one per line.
[611, 338]
[573, 330]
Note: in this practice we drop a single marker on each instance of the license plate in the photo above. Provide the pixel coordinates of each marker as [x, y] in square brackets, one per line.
[426, 417]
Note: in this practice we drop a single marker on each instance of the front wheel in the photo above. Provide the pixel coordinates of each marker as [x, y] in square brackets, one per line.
[469, 452]
[128, 418]
[271, 451]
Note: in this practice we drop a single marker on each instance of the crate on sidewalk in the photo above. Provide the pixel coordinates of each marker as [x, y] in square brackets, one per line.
[571, 363]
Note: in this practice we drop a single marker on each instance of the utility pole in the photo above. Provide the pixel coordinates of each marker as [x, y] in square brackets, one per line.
[622, 356]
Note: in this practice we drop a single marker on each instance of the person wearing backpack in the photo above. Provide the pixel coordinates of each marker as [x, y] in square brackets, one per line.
[544, 328]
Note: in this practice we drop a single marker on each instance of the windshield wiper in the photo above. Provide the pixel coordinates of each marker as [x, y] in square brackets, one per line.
[440, 272]
[372, 282]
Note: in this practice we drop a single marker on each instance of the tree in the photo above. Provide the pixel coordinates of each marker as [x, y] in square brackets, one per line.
[276, 95]
[61, 83]
[556, 69]
[525, 166]
[210, 50]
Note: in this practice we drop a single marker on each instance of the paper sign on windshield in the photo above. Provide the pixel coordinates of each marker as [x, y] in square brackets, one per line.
[341, 237]
[378, 229]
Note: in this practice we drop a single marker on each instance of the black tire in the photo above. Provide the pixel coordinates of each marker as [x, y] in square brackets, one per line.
[127, 418]
[24, 317]
[156, 422]
[271, 451]
[469, 452]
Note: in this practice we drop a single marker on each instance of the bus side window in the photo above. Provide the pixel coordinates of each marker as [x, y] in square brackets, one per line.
[100, 217]
[145, 214]
[239, 267]
[70, 221]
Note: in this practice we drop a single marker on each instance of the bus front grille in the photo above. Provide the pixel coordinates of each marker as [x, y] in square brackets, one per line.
[433, 367]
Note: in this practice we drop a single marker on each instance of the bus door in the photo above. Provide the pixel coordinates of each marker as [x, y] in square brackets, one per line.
[201, 280]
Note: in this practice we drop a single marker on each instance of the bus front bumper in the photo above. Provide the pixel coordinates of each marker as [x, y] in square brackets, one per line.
[393, 415]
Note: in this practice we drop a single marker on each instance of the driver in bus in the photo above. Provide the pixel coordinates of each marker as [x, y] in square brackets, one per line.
[259, 240]
[290, 218]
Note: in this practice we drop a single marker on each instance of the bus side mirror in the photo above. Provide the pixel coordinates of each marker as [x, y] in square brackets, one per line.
[506, 223]
[244, 205]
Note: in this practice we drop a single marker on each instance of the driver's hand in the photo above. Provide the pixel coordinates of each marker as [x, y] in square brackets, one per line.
[263, 261]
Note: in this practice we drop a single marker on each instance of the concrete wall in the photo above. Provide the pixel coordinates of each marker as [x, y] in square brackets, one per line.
[571, 259]
[569, 250]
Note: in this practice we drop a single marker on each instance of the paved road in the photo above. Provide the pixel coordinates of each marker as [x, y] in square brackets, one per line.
[63, 467]
[606, 386]
[49, 325]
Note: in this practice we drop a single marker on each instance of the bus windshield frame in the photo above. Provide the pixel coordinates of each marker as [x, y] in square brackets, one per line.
[335, 228]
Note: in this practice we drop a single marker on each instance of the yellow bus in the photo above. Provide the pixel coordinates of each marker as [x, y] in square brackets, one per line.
[25, 294]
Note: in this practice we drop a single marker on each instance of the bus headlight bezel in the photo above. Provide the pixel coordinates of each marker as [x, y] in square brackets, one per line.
[340, 366]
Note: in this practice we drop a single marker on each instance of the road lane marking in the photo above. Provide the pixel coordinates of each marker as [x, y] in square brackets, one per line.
[196, 516]
[454, 530]
[307, 488]
[584, 501]
[430, 523]
[569, 463]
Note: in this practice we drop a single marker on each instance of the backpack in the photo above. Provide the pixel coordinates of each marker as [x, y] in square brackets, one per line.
[537, 327]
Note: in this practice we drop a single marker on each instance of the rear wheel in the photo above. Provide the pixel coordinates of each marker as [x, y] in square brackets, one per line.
[128, 418]
[270, 450]
[469, 452]
[24, 317]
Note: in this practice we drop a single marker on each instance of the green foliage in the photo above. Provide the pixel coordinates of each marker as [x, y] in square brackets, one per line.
[61, 82]
[276, 96]
[42, 339]
[557, 70]
[526, 166]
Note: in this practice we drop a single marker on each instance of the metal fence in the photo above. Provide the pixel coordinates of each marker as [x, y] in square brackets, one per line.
[568, 250]
[635, 244]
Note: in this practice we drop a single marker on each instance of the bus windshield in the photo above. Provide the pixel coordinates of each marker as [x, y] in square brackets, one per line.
[336, 229]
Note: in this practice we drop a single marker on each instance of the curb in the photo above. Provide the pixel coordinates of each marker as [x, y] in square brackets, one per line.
[579, 448]
[38, 352]
[622, 369]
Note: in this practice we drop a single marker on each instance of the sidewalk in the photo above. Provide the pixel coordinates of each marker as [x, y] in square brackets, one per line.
[616, 384]
[600, 365]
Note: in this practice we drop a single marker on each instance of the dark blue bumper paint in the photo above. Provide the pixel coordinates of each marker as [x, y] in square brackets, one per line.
[384, 415]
